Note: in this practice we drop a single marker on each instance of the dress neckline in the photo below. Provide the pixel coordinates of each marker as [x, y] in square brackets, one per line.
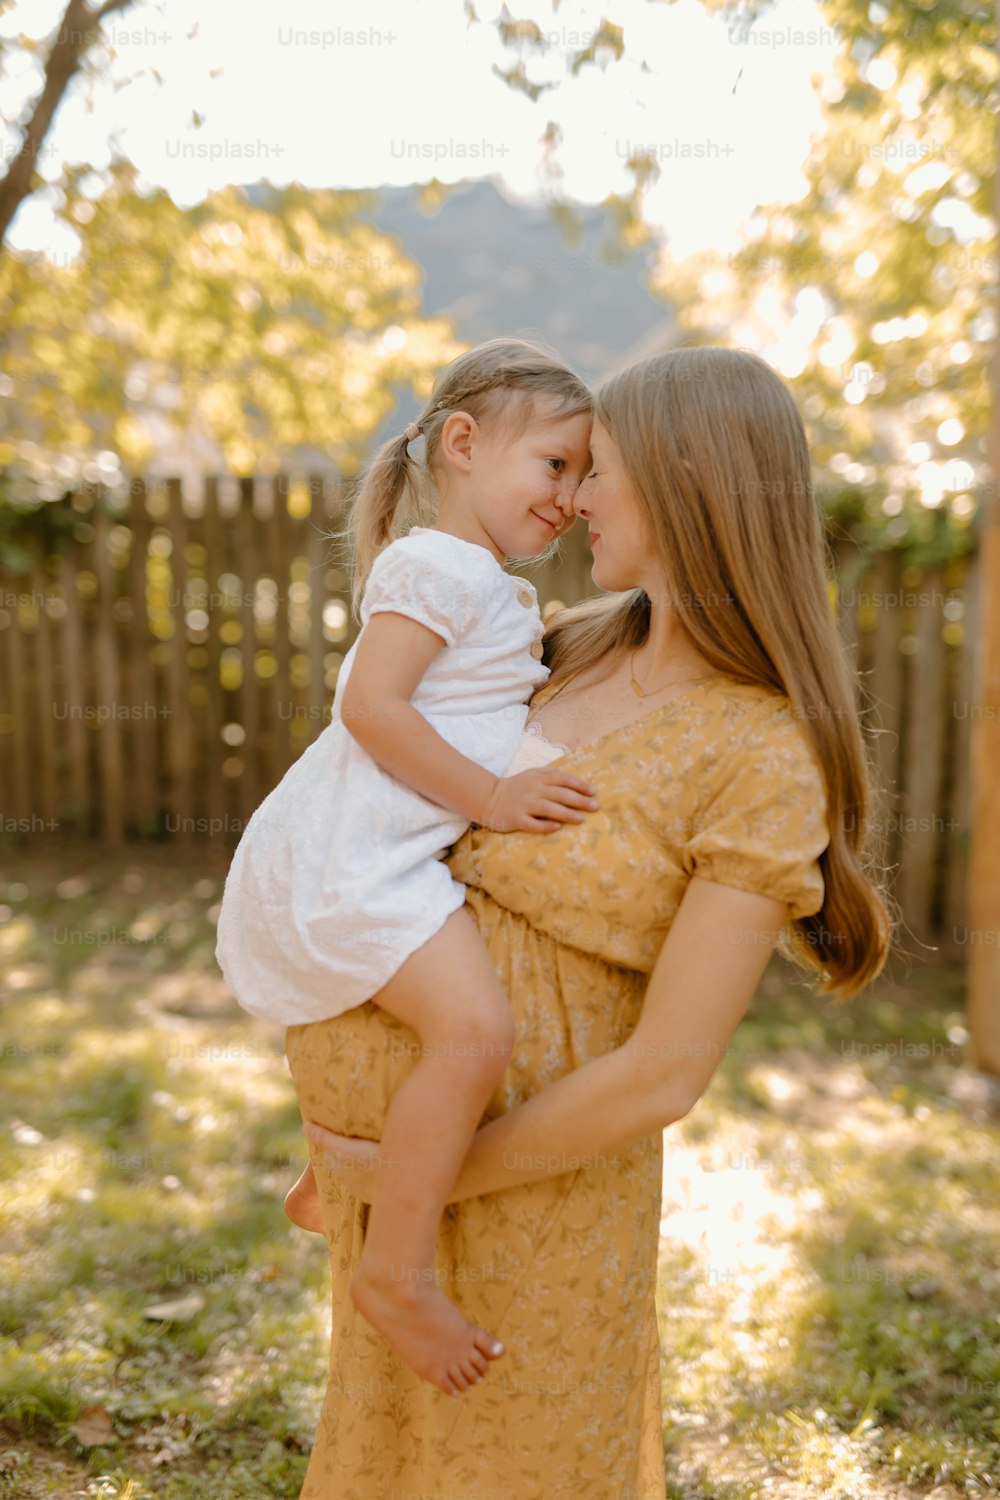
[464, 542]
[530, 727]
[632, 723]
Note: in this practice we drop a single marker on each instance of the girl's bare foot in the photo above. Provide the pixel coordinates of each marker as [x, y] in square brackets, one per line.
[426, 1330]
[302, 1203]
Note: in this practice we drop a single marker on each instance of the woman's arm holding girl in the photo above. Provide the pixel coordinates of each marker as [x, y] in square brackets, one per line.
[699, 990]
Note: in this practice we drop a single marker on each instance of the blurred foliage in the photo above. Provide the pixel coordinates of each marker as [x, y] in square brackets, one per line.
[51, 51]
[30, 533]
[873, 293]
[275, 323]
[265, 321]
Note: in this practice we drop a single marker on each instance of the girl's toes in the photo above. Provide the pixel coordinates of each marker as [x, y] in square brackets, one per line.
[487, 1344]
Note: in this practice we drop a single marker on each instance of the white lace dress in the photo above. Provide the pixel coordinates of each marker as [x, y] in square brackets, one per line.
[534, 750]
[338, 878]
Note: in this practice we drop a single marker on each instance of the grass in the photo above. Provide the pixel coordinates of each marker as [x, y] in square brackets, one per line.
[829, 1276]
[829, 1273]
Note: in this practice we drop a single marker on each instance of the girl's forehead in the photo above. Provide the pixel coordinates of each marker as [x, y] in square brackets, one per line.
[576, 423]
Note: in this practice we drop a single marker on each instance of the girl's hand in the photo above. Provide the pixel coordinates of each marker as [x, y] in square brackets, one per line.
[537, 801]
[352, 1161]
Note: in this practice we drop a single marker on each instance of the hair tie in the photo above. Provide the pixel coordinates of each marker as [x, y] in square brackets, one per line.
[411, 432]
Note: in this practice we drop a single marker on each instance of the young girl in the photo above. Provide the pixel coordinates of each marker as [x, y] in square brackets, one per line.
[337, 893]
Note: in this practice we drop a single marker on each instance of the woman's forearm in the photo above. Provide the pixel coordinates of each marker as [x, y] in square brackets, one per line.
[579, 1121]
[697, 994]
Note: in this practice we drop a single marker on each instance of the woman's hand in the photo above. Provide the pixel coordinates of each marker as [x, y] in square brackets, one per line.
[352, 1161]
[537, 801]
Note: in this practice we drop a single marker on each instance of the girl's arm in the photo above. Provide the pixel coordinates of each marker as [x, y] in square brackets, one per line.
[704, 979]
[393, 655]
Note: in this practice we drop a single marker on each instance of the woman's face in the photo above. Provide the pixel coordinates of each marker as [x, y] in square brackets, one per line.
[623, 554]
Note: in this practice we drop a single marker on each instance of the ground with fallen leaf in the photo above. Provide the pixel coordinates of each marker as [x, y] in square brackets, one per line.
[829, 1287]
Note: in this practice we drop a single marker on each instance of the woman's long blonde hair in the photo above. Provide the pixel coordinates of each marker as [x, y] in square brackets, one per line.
[499, 380]
[716, 454]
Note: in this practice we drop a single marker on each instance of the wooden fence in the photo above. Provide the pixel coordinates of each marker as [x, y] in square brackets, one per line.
[159, 676]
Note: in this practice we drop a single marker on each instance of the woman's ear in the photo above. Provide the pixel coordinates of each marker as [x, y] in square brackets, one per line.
[457, 439]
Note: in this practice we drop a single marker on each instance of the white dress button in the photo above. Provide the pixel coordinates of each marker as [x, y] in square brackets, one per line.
[525, 597]
[536, 650]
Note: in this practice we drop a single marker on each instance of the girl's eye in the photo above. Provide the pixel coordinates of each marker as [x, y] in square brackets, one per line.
[560, 464]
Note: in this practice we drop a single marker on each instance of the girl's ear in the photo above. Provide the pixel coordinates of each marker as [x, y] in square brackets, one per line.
[458, 435]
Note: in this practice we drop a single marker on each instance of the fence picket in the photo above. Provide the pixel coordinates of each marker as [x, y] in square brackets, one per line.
[48, 799]
[249, 708]
[924, 746]
[886, 688]
[73, 699]
[145, 808]
[109, 741]
[280, 685]
[317, 548]
[957, 706]
[179, 739]
[17, 795]
[215, 792]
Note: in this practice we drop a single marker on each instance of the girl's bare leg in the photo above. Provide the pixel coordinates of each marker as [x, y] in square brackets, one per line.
[448, 992]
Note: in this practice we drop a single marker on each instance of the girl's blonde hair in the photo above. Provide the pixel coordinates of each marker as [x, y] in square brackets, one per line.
[485, 382]
[716, 455]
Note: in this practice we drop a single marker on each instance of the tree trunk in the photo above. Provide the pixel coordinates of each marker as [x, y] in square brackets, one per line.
[76, 35]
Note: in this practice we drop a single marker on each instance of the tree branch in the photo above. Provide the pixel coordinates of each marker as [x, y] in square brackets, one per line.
[76, 35]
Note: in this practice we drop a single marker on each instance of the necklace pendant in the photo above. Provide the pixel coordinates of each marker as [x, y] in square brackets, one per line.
[638, 690]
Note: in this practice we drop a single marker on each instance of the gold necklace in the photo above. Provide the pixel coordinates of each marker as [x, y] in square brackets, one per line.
[649, 692]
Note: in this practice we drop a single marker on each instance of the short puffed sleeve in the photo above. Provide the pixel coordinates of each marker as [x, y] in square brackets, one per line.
[765, 826]
[429, 580]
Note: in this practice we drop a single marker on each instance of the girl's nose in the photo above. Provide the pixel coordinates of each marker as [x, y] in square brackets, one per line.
[564, 499]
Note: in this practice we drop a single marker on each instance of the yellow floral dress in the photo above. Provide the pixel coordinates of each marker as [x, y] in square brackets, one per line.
[721, 783]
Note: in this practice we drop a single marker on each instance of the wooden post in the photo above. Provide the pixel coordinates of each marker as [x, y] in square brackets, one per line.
[984, 872]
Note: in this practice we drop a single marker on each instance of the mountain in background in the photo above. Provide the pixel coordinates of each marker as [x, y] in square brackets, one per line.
[493, 267]
[496, 267]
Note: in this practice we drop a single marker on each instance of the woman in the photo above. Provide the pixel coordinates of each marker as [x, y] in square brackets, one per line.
[707, 700]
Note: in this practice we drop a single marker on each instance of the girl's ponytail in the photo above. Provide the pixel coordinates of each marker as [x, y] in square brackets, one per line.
[387, 500]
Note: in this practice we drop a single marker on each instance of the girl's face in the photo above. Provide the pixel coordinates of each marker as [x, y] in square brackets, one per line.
[521, 488]
[623, 554]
